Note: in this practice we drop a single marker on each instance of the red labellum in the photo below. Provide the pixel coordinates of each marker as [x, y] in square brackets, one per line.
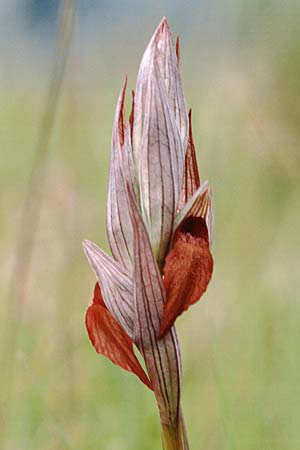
[110, 340]
[187, 271]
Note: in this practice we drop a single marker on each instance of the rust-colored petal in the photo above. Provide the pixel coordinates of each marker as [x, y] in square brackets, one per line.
[191, 180]
[98, 299]
[131, 116]
[177, 48]
[110, 340]
[187, 270]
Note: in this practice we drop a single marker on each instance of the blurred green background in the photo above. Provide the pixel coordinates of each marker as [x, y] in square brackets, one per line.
[240, 64]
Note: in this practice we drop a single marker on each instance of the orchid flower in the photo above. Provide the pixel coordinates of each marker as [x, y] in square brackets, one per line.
[160, 227]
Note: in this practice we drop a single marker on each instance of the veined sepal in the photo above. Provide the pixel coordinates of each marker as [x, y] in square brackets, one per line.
[162, 356]
[118, 223]
[159, 138]
[116, 285]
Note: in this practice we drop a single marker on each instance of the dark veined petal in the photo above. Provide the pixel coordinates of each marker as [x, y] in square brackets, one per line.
[191, 180]
[161, 167]
[110, 340]
[127, 165]
[159, 137]
[119, 229]
[167, 57]
[116, 284]
[161, 356]
[162, 51]
[187, 271]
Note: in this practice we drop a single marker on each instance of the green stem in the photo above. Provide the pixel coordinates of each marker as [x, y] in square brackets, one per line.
[174, 436]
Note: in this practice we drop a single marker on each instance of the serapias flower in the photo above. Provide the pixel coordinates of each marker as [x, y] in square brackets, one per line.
[159, 226]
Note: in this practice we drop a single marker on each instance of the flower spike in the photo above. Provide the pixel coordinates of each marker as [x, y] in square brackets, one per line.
[159, 226]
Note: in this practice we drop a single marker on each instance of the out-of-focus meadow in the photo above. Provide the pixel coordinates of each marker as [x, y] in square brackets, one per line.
[240, 65]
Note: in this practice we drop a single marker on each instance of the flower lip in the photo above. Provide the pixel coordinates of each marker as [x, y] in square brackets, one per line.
[195, 226]
[187, 272]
